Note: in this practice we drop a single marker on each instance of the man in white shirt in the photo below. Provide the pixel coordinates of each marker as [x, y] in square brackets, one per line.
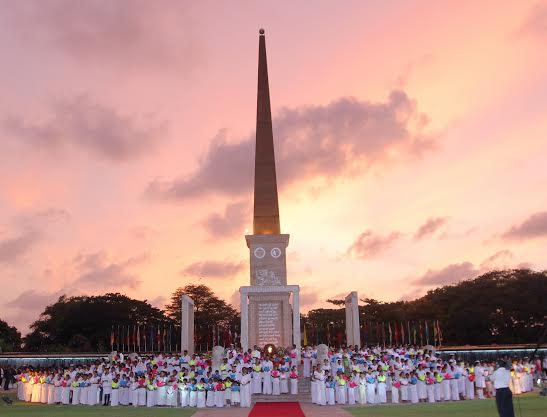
[504, 397]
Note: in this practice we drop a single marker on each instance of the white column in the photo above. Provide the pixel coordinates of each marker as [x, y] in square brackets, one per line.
[296, 319]
[244, 312]
[353, 335]
[187, 325]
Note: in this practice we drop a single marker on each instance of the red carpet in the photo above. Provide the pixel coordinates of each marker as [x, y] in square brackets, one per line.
[276, 410]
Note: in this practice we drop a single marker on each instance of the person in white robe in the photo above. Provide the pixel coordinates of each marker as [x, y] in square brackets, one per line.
[313, 386]
[201, 399]
[330, 391]
[404, 387]
[141, 392]
[371, 387]
[293, 375]
[413, 389]
[51, 389]
[150, 392]
[430, 387]
[470, 384]
[267, 385]
[381, 396]
[362, 389]
[106, 383]
[321, 388]
[351, 384]
[115, 394]
[480, 380]
[395, 388]
[245, 389]
[236, 394]
[276, 384]
[43, 389]
[65, 390]
[454, 391]
[256, 383]
[76, 391]
[219, 394]
[36, 389]
[193, 394]
[284, 380]
[210, 400]
[161, 393]
[134, 392]
[306, 357]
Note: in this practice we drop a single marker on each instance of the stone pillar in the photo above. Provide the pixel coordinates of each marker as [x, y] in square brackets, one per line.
[244, 311]
[187, 325]
[353, 335]
[296, 319]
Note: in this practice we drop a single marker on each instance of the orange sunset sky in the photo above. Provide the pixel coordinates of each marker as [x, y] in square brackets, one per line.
[411, 145]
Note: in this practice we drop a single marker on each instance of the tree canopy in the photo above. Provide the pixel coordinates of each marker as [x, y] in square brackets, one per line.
[497, 307]
[10, 338]
[208, 307]
[84, 323]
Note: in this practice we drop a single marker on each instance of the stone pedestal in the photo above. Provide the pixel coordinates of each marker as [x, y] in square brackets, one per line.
[353, 335]
[266, 316]
[187, 325]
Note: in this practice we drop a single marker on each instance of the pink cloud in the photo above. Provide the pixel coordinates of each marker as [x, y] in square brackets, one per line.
[83, 123]
[131, 35]
[536, 22]
[430, 226]
[447, 275]
[214, 269]
[533, 227]
[368, 245]
[311, 141]
[230, 223]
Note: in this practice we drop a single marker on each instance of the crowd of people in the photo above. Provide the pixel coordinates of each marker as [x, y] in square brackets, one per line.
[405, 375]
[370, 375]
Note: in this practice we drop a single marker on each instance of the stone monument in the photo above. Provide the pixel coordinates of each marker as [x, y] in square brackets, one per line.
[187, 325]
[265, 304]
[353, 335]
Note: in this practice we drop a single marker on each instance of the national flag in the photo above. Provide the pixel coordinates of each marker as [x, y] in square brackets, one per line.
[402, 333]
[409, 335]
[414, 330]
[426, 333]
[112, 338]
[421, 333]
[127, 337]
[305, 336]
[389, 330]
[383, 334]
[439, 333]
[139, 337]
[435, 332]
[396, 329]
[158, 337]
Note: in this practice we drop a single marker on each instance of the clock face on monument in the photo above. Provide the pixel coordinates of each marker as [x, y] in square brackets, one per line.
[259, 252]
[275, 252]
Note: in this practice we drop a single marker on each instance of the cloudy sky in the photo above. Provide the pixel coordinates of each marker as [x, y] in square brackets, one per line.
[410, 142]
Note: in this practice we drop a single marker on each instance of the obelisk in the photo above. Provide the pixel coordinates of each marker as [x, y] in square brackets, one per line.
[268, 311]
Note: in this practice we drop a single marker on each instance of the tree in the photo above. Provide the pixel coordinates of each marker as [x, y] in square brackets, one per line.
[211, 314]
[497, 307]
[84, 323]
[10, 338]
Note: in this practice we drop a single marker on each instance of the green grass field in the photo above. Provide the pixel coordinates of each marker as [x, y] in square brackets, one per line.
[531, 405]
[24, 409]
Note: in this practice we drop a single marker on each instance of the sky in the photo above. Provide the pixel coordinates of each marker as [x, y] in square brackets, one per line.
[411, 145]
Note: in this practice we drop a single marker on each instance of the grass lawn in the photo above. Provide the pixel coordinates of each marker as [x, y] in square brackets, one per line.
[531, 405]
[20, 408]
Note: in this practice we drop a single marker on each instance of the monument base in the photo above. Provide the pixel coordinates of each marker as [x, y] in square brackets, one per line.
[266, 316]
[270, 320]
